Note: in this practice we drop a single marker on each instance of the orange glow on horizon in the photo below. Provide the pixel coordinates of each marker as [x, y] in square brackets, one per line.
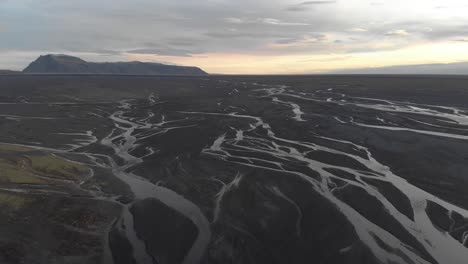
[231, 63]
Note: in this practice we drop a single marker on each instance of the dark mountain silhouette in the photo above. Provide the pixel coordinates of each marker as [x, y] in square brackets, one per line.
[72, 65]
[457, 68]
[9, 72]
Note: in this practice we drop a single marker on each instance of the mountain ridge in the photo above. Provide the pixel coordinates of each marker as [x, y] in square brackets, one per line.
[454, 68]
[9, 72]
[65, 64]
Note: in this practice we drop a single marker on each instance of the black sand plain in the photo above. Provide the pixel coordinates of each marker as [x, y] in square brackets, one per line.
[233, 169]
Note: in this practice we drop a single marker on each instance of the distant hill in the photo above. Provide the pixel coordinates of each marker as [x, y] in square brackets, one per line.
[9, 72]
[72, 65]
[457, 68]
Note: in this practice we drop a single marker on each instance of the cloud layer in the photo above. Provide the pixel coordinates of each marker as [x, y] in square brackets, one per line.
[202, 32]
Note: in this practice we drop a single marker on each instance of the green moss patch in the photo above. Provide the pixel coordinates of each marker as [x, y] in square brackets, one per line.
[13, 201]
[22, 165]
[57, 167]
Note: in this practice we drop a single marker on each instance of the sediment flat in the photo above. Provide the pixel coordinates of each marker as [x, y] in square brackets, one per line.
[233, 169]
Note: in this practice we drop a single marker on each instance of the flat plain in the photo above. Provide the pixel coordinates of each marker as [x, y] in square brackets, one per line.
[233, 169]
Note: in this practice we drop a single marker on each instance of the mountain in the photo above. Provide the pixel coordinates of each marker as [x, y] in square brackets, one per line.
[457, 68]
[9, 72]
[72, 65]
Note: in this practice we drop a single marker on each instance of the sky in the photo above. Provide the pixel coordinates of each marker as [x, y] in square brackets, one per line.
[238, 36]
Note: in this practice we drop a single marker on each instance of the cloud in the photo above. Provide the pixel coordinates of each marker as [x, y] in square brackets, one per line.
[287, 41]
[377, 3]
[443, 32]
[174, 53]
[184, 30]
[266, 21]
[104, 52]
[277, 22]
[302, 40]
[161, 50]
[357, 30]
[397, 32]
[235, 20]
[184, 41]
[317, 2]
[236, 34]
[305, 5]
[329, 58]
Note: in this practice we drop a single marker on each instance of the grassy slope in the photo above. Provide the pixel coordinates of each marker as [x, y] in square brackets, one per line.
[20, 165]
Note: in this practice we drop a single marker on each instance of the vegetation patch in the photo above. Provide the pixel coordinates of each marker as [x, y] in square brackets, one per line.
[22, 165]
[14, 148]
[57, 167]
[13, 201]
[12, 174]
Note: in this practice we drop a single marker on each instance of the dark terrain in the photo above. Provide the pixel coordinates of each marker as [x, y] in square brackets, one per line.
[234, 169]
[2, 72]
[64, 64]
